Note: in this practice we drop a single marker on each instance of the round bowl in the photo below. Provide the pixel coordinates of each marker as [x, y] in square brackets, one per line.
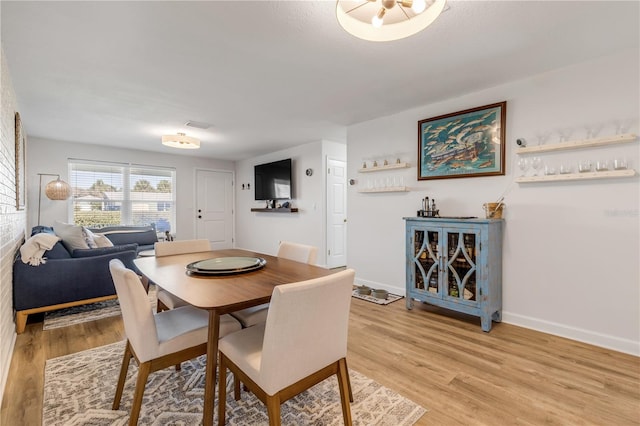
[364, 290]
[380, 294]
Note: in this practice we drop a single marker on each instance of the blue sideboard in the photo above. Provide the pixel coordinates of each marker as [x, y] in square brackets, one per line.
[456, 264]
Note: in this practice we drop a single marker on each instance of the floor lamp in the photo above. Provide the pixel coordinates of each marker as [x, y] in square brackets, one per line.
[55, 190]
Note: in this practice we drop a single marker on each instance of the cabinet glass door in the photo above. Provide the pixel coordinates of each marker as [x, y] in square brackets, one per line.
[426, 255]
[460, 264]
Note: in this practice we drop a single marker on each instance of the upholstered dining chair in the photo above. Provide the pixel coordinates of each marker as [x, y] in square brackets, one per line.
[167, 300]
[157, 341]
[303, 342]
[287, 250]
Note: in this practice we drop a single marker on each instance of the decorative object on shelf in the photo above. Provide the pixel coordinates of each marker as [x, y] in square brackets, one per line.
[57, 190]
[20, 143]
[610, 174]
[493, 210]
[456, 264]
[363, 289]
[466, 143]
[387, 20]
[575, 144]
[377, 168]
[309, 172]
[181, 141]
[428, 209]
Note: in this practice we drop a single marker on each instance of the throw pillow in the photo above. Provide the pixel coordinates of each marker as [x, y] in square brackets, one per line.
[73, 236]
[101, 240]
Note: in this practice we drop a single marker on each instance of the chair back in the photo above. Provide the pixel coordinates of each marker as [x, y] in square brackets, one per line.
[306, 329]
[137, 314]
[169, 248]
[298, 252]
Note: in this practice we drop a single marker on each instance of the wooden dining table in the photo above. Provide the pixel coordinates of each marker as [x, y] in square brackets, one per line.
[222, 294]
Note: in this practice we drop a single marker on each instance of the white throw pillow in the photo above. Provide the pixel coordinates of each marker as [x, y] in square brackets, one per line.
[73, 236]
[101, 240]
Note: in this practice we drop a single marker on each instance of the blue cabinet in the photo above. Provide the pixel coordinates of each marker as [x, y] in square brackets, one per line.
[456, 264]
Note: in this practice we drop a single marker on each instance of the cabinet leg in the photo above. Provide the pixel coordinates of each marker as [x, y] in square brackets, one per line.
[485, 320]
[409, 303]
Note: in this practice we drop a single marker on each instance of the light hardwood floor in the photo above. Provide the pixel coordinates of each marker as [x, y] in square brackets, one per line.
[463, 376]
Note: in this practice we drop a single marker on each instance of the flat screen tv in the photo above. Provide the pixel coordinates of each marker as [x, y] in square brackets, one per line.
[273, 180]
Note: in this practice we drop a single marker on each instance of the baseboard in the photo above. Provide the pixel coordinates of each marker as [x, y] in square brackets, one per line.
[579, 334]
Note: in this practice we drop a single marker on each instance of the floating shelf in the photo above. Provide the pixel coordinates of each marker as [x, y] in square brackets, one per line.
[280, 210]
[387, 167]
[586, 143]
[390, 189]
[578, 176]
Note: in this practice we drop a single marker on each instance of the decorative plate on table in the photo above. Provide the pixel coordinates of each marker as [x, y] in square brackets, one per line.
[226, 265]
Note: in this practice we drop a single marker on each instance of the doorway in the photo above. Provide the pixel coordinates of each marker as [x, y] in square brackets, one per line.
[336, 213]
[214, 208]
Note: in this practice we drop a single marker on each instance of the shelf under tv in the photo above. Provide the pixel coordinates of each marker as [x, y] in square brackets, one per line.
[276, 210]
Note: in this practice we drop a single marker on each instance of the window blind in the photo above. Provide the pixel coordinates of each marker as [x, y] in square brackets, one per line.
[107, 194]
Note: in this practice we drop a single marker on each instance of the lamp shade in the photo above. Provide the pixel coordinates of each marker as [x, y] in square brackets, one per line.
[57, 190]
[180, 141]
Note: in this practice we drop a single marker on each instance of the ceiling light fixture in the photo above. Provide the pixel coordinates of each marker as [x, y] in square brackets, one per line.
[180, 141]
[387, 20]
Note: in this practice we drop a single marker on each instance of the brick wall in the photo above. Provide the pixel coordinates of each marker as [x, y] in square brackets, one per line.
[12, 221]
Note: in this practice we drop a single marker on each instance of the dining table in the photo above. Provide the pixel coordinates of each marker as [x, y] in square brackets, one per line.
[222, 293]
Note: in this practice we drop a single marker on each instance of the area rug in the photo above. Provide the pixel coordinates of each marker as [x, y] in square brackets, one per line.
[89, 312]
[79, 390]
[390, 298]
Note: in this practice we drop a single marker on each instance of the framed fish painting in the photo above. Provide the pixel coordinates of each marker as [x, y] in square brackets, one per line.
[467, 143]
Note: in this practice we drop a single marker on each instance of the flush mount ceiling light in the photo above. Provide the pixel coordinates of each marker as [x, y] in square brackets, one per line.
[180, 141]
[387, 20]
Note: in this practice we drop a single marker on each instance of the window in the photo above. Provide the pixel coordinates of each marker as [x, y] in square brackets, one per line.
[107, 194]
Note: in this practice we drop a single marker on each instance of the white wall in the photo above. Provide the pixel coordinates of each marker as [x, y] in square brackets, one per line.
[263, 231]
[48, 156]
[12, 221]
[571, 250]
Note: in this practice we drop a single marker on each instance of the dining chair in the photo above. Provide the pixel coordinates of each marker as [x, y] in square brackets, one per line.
[167, 300]
[287, 250]
[303, 342]
[160, 340]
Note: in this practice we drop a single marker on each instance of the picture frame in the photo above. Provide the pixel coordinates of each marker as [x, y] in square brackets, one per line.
[20, 163]
[469, 143]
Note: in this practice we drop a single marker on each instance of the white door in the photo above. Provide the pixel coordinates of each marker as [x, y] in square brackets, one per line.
[214, 208]
[336, 213]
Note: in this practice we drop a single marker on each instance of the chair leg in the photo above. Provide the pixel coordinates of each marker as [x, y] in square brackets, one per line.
[123, 376]
[348, 381]
[222, 389]
[343, 380]
[273, 409]
[141, 382]
[236, 387]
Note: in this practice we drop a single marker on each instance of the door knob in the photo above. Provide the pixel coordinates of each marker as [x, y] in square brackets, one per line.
[344, 220]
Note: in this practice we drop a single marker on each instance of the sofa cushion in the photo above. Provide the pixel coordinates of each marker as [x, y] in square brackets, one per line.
[127, 236]
[103, 250]
[73, 236]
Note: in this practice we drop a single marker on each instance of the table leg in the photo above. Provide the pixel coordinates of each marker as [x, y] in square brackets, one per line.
[210, 372]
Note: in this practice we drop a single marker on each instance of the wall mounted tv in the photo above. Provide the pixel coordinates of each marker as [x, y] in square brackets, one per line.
[273, 180]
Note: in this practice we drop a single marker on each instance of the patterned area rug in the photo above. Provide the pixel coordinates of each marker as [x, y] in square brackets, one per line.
[390, 298]
[90, 312]
[79, 390]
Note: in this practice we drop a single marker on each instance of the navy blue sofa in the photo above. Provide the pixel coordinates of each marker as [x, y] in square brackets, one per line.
[72, 278]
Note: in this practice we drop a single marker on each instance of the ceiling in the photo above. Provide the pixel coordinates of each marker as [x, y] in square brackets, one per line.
[268, 75]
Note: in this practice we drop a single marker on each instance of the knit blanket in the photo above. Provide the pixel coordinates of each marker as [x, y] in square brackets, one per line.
[32, 251]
